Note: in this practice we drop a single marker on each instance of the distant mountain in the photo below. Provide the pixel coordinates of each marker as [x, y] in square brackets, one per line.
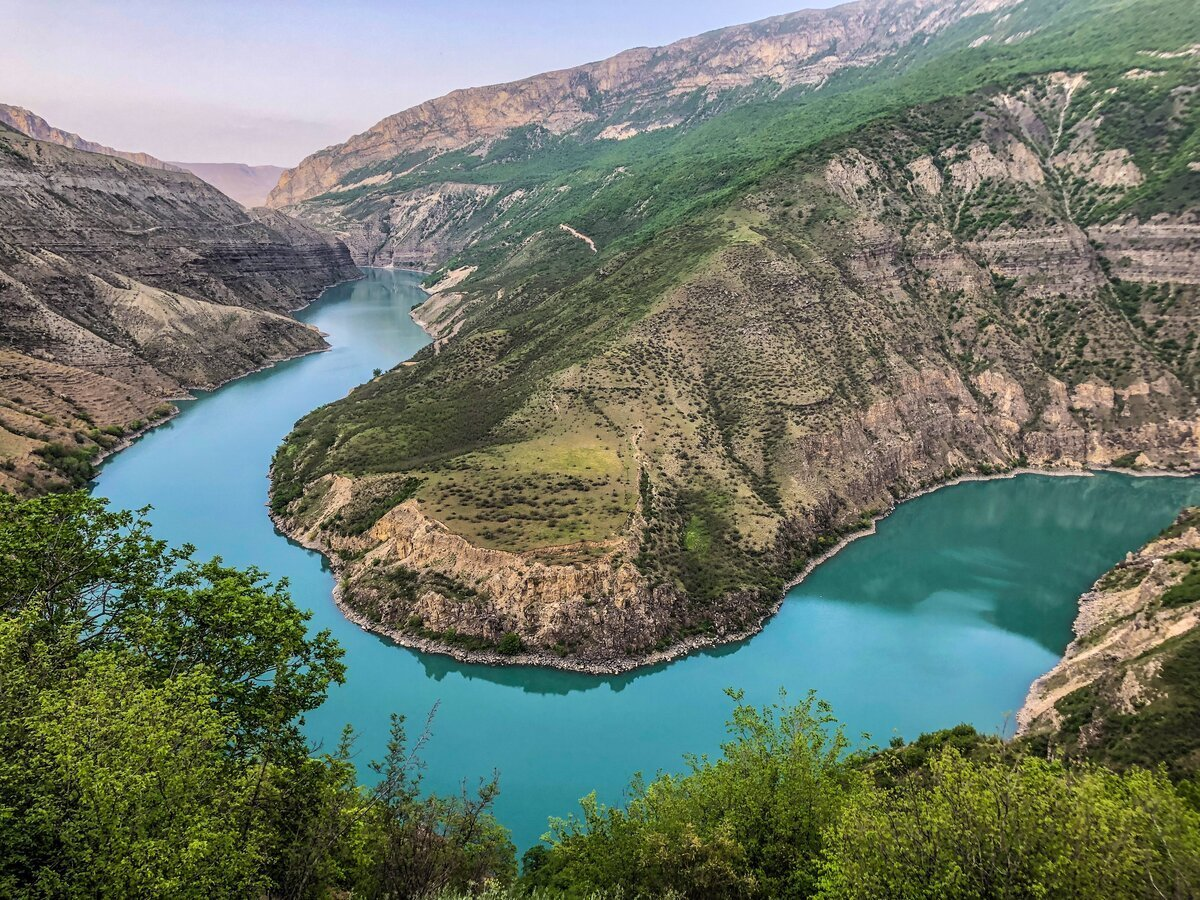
[248, 185]
[36, 127]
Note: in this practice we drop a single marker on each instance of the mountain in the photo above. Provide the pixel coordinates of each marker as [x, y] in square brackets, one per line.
[248, 185]
[121, 286]
[1126, 692]
[671, 372]
[36, 127]
[635, 92]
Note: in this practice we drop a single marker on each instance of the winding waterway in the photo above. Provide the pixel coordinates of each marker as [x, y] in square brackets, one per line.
[946, 615]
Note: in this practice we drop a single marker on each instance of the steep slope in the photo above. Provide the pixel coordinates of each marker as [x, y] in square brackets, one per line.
[1128, 690]
[411, 165]
[33, 125]
[777, 326]
[120, 287]
[248, 185]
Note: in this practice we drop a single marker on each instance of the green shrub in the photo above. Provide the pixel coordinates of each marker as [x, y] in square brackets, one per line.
[510, 645]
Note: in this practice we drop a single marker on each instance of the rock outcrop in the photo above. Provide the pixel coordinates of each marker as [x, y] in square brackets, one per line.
[1125, 690]
[120, 287]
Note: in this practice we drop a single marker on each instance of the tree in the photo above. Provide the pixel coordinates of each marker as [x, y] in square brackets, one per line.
[749, 824]
[95, 579]
[422, 846]
[1021, 827]
[150, 742]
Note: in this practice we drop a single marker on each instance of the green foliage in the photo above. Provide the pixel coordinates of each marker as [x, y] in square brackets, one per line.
[510, 645]
[1164, 730]
[419, 845]
[1127, 460]
[368, 507]
[749, 824]
[149, 734]
[74, 464]
[1187, 591]
[1025, 828]
[788, 812]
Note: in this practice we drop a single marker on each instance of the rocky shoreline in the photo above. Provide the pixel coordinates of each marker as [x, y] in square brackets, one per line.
[1122, 632]
[543, 659]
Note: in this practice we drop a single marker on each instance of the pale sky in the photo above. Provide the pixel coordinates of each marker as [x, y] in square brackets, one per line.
[270, 81]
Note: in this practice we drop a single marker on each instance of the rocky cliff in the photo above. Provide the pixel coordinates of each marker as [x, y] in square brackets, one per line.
[636, 92]
[657, 400]
[120, 287]
[1127, 690]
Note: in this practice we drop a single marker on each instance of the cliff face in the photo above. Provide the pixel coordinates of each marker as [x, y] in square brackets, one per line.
[120, 287]
[634, 92]
[1126, 691]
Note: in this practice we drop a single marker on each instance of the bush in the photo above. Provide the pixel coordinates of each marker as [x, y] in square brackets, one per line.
[159, 754]
[510, 645]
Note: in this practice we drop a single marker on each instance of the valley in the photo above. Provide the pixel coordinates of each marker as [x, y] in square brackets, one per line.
[764, 465]
[124, 286]
[946, 615]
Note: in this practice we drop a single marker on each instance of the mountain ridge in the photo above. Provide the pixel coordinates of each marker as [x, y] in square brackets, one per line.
[31, 124]
[802, 47]
[614, 452]
[121, 286]
[248, 185]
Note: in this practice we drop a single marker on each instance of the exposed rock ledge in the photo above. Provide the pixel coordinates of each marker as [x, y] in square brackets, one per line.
[415, 541]
[1122, 625]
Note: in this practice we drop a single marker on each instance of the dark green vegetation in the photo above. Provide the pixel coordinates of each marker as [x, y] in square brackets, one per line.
[149, 740]
[786, 813]
[801, 310]
[149, 747]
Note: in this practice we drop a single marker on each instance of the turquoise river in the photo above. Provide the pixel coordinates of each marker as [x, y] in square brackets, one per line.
[946, 615]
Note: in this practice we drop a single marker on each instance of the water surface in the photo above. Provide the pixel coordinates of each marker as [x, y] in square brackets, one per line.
[945, 616]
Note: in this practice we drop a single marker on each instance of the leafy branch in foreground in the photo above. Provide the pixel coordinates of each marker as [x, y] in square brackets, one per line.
[150, 743]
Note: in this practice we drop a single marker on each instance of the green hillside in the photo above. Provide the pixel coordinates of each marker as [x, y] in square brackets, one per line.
[800, 310]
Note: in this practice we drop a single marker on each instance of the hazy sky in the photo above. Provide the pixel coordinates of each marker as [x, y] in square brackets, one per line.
[269, 81]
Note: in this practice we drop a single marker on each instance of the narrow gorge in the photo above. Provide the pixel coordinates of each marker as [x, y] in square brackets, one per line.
[122, 286]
